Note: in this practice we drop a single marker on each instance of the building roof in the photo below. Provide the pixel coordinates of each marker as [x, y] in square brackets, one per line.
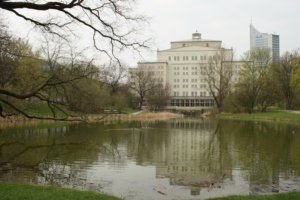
[194, 48]
[151, 62]
[196, 40]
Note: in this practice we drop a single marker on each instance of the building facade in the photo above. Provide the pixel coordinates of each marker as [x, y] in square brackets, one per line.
[184, 66]
[265, 40]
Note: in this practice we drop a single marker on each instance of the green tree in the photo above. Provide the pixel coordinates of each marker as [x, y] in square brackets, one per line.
[253, 87]
[36, 79]
[285, 71]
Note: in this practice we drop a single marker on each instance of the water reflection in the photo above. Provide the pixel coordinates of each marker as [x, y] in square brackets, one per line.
[156, 160]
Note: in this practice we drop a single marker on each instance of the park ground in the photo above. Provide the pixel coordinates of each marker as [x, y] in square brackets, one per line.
[16, 191]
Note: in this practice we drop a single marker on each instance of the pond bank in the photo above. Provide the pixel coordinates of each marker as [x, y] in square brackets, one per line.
[278, 116]
[12, 191]
[282, 196]
[140, 115]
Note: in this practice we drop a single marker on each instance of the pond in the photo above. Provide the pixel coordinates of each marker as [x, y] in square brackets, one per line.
[188, 158]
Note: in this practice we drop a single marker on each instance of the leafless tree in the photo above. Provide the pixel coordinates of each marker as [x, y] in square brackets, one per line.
[112, 75]
[218, 74]
[157, 98]
[141, 83]
[113, 25]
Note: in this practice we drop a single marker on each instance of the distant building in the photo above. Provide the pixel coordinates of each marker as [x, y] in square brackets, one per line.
[265, 40]
[183, 67]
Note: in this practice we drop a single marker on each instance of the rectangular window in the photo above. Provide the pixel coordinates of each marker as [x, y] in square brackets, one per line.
[178, 58]
[174, 94]
[192, 57]
[174, 58]
[187, 102]
[195, 57]
[202, 102]
[169, 58]
[187, 58]
[183, 57]
[204, 57]
[201, 57]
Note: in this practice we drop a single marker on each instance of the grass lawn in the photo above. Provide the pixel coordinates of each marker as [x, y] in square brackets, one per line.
[272, 116]
[15, 191]
[282, 196]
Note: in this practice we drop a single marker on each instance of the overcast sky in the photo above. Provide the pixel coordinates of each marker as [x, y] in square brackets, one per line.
[225, 20]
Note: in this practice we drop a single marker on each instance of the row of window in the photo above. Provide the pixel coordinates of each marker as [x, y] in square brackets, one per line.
[187, 86]
[151, 67]
[186, 58]
[186, 68]
[187, 80]
[185, 73]
[192, 102]
[193, 94]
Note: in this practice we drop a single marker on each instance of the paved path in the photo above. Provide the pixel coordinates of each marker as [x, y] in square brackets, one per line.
[291, 111]
[138, 112]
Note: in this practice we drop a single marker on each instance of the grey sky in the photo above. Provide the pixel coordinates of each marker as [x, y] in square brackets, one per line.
[226, 20]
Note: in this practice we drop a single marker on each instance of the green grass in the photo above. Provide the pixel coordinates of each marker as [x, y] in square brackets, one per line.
[271, 116]
[15, 191]
[282, 196]
[43, 110]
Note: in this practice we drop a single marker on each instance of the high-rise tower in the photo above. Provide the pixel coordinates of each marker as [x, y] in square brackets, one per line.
[265, 40]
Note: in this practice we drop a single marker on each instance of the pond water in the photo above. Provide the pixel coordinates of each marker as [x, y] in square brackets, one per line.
[177, 159]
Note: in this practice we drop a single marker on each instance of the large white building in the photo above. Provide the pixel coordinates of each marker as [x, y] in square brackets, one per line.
[265, 40]
[183, 66]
